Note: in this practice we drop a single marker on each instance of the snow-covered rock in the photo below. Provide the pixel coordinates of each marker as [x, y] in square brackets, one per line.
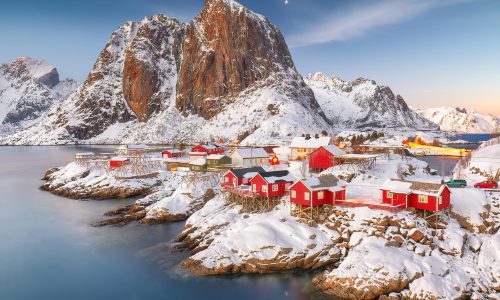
[28, 90]
[461, 119]
[484, 163]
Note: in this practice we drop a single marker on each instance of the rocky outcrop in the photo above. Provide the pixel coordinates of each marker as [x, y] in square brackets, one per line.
[76, 182]
[227, 49]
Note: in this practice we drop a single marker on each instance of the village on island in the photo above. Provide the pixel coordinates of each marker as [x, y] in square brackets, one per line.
[366, 209]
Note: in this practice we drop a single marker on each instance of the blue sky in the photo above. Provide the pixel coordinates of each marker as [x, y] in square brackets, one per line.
[433, 53]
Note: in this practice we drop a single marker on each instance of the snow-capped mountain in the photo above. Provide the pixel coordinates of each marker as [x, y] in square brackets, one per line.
[362, 103]
[461, 120]
[28, 89]
[160, 80]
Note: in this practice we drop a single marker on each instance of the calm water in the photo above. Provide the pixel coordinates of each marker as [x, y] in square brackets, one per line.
[49, 251]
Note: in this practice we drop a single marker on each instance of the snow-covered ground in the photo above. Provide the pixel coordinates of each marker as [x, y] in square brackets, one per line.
[483, 164]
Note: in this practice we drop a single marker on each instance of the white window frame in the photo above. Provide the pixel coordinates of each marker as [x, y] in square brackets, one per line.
[275, 187]
[254, 187]
[235, 181]
[423, 199]
[287, 186]
[293, 194]
[440, 200]
[321, 195]
[390, 194]
[307, 196]
[245, 180]
[264, 188]
[226, 179]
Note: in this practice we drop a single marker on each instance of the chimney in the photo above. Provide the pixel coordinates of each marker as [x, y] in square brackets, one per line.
[316, 136]
[308, 136]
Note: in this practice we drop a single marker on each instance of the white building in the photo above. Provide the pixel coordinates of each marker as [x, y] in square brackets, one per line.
[302, 146]
[249, 157]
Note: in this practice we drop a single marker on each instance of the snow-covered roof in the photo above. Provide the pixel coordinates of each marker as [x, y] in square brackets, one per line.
[407, 187]
[334, 150]
[246, 153]
[198, 162]
[215, 156]
[311, 143]
[241, 173]
[119, 158]
[323, 182]
[197, 153]
[274, 176]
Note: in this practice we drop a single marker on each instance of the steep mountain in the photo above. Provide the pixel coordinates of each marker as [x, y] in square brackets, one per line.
[227, 73]
[28, 89]
[461, 120]
[362, 103]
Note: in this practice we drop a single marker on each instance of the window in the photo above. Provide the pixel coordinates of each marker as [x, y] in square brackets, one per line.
[321, 195]
[275, 187]
[440, 200]
[294, 194]
[245, 180]
[389, 195]
[254, 187]
[306, 196]
[235, 181]
[423, 199]
[264, 188]
[287, 186]
[226, 179]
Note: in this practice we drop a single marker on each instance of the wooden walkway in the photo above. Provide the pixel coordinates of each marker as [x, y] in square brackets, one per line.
[372, 205]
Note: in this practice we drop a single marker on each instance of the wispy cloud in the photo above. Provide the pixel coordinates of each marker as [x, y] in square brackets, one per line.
[358, 21]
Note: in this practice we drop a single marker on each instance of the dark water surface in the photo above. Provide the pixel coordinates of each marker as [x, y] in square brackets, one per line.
[49, 251]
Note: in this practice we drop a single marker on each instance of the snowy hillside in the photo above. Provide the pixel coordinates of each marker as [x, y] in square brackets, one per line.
[362, 103]
[461, 119]
[28, 89]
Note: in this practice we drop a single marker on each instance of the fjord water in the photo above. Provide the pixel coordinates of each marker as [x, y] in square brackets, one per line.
[48, 250]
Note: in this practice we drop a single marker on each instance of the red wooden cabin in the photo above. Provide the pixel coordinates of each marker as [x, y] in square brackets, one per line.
[323, 157]
[208, 149]
[118, 161]
[237, 177]
[413, 194]
[317, 191]
[272, 184]
[171, 153]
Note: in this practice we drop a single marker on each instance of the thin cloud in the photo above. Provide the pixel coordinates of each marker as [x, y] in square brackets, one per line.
[358, 21]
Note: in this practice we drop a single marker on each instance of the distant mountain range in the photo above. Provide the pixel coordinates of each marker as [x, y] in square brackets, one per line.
[461, 120]
[228, 73]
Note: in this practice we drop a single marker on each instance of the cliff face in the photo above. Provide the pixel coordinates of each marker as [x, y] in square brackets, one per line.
[227, 49]
[145, 70]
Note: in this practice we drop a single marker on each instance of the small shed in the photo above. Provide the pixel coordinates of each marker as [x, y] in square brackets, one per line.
[171, 153]
[249, 157]
[237, 177]
[118, 161]
[217, 160]
[198, 165]
[413, 194]
[317, 191]
[272, 184]
[324, 157]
